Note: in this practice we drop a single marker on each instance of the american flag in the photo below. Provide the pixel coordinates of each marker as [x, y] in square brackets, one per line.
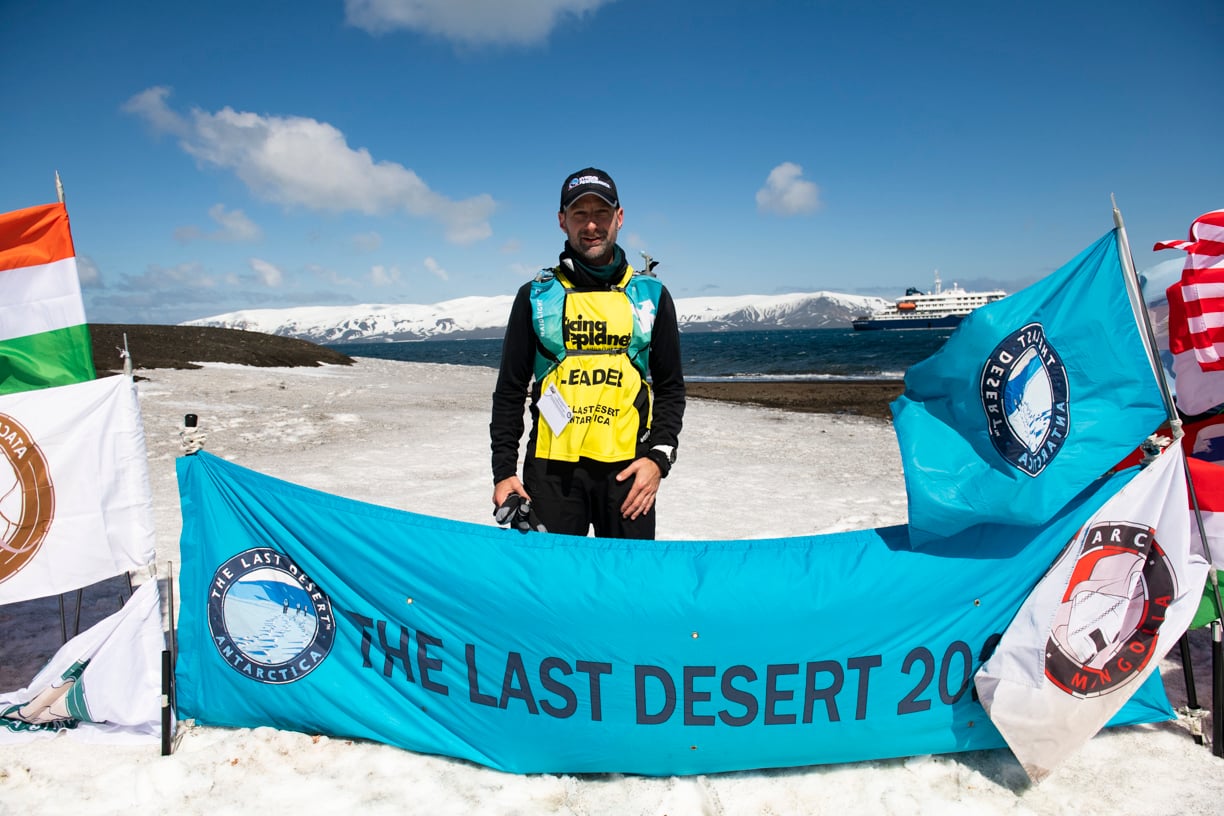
[1196, 315]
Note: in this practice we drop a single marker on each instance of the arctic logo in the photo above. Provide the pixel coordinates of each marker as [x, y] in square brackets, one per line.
[27, 498]
[1024, 395]
[1105, 631]
[267, 618]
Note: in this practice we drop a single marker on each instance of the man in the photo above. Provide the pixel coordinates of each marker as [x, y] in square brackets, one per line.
[582, 339]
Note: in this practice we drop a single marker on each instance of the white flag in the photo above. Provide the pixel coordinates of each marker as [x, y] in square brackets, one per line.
[1100, 621]
[102, 686]
[75, 502]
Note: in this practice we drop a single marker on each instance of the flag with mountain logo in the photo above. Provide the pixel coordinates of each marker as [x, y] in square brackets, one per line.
[1030, 401]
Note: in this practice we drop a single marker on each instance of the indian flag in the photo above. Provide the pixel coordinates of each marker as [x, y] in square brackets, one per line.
[44, 340]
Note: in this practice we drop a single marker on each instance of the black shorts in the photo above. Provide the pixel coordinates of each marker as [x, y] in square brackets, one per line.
[571, 498]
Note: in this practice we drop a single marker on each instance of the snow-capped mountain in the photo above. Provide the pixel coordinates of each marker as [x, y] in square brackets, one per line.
[812, 310]
[485, 317]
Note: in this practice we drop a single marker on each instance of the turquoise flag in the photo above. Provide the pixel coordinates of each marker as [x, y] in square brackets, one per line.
[1031, 399]
[542, 653]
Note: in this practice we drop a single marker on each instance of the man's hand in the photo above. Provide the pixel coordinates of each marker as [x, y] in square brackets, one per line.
[503, 489]
[646, 477]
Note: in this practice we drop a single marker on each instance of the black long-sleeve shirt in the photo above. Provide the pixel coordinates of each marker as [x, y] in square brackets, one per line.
[517, 370]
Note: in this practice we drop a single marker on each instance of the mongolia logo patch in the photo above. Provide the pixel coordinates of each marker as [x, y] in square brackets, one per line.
[268, 620]
[27, 497]
[1024, 395]
[1106, 628]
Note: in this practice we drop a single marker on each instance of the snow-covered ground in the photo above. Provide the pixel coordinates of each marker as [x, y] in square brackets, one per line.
[415, 436]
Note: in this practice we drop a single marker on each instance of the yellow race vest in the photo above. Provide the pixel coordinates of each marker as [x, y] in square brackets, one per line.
[597, 380]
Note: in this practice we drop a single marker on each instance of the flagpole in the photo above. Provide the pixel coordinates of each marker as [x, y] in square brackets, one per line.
[1148, 334]
[59, 187]
[1149, 342]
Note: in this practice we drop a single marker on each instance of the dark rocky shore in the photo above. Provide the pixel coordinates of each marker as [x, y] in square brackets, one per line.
[868, 398]
[185, 346]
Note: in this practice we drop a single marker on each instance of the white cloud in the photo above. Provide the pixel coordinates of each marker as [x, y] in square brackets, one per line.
[436, 269]
[87, 271]
[300, 162]
[150, 104]
[234, 226]
[157, 278]
[384, 276]
[269, 274]
[471, 22]
[787, 193]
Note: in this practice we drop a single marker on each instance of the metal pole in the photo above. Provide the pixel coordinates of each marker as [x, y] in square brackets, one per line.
[170, 602]
[1147, 334]
[1217, 689]
[76, 621]
[169, 659]
[166, 712]
[1188, 672]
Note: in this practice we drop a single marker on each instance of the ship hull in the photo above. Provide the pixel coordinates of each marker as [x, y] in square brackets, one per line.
[893, 323]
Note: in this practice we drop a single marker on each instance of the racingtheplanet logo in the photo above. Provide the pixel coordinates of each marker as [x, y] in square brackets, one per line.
[1105, 630]
[581, 180]
[1024, 395]
[268, 620]
[582, 334]
[27, 497]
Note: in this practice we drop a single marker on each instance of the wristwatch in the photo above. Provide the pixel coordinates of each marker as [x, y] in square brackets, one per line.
[664, 456]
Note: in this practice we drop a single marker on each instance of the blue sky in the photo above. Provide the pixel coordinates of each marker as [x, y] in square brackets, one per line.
[229, 155]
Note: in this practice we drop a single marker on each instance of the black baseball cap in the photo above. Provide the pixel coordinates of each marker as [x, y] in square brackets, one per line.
[589, 181]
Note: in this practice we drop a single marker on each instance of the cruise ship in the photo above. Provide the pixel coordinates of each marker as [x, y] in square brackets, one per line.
[942, 309]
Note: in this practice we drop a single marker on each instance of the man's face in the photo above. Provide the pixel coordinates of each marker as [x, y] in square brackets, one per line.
[591, 224]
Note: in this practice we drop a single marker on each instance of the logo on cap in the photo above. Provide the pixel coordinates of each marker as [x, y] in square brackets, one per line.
[580, 180]
[588, 180]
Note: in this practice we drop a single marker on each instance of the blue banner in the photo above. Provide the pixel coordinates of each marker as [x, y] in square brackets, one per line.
[538, 653]
[1029, 401]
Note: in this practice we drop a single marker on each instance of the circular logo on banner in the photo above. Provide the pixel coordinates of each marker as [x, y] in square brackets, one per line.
[1105, 631]
[1024, 395]
[27, 497]
[268, 620]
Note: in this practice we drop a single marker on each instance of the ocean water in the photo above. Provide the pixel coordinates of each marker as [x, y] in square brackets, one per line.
[800, 354]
